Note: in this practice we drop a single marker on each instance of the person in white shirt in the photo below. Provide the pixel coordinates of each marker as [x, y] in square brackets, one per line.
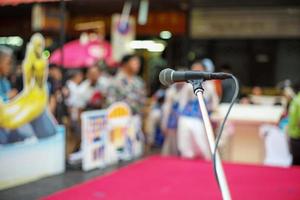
[72, 102]
[93, 91]
[72, 84]
[191, 136]
[88, 95]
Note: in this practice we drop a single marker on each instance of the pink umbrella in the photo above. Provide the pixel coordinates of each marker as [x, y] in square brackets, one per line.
[77, 54]
[16, 2]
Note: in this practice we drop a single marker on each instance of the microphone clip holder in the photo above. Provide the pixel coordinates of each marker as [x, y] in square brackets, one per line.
[197, 85]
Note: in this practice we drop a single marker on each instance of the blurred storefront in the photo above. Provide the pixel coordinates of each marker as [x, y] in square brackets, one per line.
[256, 42]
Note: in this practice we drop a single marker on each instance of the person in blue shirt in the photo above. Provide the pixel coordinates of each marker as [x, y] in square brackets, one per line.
[191, 137]
[6, 92]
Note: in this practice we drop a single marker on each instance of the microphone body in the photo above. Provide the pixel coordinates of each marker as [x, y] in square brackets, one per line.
[169, 76]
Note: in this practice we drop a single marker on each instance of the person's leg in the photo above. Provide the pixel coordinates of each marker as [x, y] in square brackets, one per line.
[151, 125]
[166, 146]
[169, 146]
[164, 149]
[75, 127]
[184, 138]
[3, 136]
[295, 150]
[173, 143]
[12, 136]
[15, 136]
[26, 131]
[44, 126]
[200, 139]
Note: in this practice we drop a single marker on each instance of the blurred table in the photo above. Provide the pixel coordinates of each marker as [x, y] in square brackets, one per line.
[268, 100]
[246, 145]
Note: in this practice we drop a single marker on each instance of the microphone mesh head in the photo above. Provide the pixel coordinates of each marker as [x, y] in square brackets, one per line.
[165, 77]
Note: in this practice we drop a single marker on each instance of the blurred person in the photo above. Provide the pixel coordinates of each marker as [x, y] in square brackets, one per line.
[191, 134]
[17, 78]
[6, 60]
[156, 63]
[72, 84]
[257, 91]
[6, 92]
[169, 120]
[92, 92]
[54, 78]
[58, 93]
[286, 88]
[276, 146]
[210, 67]
[245, 100]
[106, 71]
[210, 93]
[277, 151]
[294, 126]
[73, 104]
[153, 119]
[127, 86]
[228, 85]
[284, 118]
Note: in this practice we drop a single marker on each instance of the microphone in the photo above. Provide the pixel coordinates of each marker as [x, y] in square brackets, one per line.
[169, 76]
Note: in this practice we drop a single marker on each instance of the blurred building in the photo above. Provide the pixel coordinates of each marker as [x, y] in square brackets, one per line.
[260, 40]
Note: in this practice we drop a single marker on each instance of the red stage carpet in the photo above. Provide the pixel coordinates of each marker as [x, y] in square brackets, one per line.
[158, 178]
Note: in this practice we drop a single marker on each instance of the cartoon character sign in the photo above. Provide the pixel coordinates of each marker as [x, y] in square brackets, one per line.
[110, 136]
[118, 119]
[94, 131]
[124, 131]
[29, 136]
[26, 115]
[31, 102]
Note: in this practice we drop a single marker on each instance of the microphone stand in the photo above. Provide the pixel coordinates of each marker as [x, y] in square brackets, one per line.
[198, 90]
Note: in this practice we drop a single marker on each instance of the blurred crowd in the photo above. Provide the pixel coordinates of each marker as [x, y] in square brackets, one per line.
[175, 120]
[76, 90]
[172, 117]
[179, 117]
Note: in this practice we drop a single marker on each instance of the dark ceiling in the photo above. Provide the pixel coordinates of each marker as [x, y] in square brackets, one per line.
[111, 6]
[244, 3]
